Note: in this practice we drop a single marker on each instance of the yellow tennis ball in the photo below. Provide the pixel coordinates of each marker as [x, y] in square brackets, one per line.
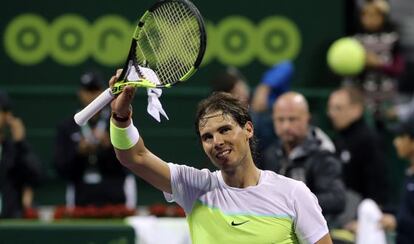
[346, 56]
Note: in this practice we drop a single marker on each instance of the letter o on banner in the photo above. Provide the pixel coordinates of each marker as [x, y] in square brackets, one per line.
[111, 38]
[70, 39]
[236, 43]
[279, 39]
[25, 39]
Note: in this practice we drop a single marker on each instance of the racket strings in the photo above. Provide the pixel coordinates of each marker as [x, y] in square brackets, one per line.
[188, 28]
[186, 18]
[179, 57]
[170, 42]
[175, 13]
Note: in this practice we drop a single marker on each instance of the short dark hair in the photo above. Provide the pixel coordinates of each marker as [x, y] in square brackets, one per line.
[225, 102]
[355, 94]
[229, 105]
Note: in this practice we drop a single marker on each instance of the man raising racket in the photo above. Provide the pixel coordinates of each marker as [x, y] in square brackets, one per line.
[237, 203]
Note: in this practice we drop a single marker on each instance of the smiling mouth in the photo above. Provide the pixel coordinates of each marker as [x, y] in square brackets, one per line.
[223, 154]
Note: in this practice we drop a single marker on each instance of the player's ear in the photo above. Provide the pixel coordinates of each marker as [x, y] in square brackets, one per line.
[249, 129]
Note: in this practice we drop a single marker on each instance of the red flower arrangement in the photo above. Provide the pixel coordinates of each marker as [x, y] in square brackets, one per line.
[164, 210]
[107, 211]
[30, 213]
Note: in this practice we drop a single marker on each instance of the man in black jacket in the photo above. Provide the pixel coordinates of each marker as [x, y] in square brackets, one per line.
[305, 153]
[358, 145]
[20, 169]
[85, 157]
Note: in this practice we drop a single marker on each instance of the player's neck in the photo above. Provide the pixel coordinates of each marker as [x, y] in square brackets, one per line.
[242, 177]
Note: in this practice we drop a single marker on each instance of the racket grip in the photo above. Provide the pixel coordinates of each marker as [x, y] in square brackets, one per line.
[95, 106]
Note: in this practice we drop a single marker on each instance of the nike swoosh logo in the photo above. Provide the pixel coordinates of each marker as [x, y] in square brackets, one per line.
[236, 224]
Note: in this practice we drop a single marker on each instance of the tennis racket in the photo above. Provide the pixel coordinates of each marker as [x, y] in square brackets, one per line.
[168, 44]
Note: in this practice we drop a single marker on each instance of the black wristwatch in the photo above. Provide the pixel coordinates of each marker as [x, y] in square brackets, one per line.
[119, 119]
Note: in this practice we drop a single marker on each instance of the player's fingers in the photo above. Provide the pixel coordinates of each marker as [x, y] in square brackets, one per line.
[124, 100]
[115, 77]
[112, 80]
[118, 72]
[129, 93]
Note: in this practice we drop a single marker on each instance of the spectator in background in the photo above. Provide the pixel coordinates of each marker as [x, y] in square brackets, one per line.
[85, 157]
[358, 145]
[275, 81]
[232, 81]
[403, 221]
[305, 153]
[360, 150]
[20, 169]
[384, 62]
[369, 216]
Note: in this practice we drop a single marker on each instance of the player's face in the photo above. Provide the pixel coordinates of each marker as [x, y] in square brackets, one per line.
[224, 141]
[291, 123]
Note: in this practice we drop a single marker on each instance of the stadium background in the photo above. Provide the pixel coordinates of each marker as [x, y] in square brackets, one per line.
[48, 44]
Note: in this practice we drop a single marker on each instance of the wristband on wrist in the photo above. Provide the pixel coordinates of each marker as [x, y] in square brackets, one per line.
[123, 138]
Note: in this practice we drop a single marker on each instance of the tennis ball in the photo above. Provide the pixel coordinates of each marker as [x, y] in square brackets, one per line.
[346, 56]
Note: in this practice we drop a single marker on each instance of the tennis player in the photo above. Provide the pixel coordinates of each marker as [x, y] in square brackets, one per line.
[238, 203]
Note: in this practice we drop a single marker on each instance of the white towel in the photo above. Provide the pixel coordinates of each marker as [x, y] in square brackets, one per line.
[369, 230]
[154, 107]
[153, 230]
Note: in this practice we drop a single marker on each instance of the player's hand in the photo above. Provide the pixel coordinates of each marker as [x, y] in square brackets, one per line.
[121, 105]
[17, 129]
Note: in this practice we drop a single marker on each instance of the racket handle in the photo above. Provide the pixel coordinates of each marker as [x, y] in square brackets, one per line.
[95, 106]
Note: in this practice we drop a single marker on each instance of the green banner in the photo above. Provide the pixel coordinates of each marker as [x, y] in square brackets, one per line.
[48, 39]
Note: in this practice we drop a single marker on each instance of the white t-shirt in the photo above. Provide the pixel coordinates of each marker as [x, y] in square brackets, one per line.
[277, 210]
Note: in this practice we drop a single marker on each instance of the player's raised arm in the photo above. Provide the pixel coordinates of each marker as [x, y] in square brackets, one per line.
[129, 145]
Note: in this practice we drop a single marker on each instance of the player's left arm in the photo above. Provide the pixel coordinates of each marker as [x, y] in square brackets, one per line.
[326, 239]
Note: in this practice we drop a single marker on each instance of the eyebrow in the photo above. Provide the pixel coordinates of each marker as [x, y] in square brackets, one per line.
[229, 126]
